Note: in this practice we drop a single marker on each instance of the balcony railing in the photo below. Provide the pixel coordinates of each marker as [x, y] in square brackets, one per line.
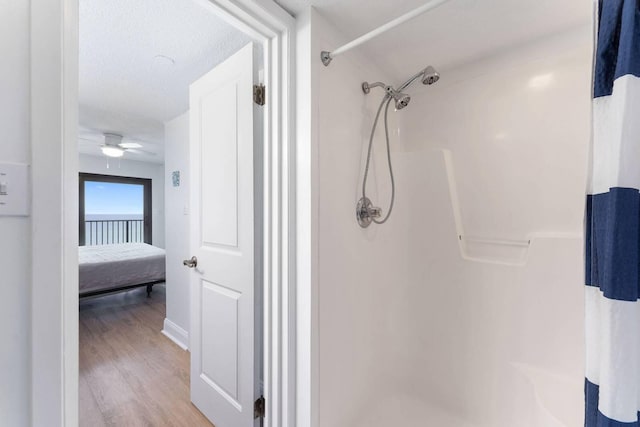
[113, 231]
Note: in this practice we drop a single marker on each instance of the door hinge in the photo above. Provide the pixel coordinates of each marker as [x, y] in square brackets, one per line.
[259, 408]
[259, 94]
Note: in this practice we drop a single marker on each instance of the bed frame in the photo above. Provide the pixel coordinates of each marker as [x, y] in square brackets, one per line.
[149, 286]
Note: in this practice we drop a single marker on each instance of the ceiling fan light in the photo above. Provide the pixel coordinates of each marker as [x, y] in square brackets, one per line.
[112, 151]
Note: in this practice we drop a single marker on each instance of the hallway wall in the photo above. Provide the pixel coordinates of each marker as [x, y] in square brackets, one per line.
[177, 216]
[15, 252]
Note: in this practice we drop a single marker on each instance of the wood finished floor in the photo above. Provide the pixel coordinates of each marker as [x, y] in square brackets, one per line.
[131, 374]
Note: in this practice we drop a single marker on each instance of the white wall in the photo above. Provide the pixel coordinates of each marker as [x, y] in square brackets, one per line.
[177, 228]
[403, 320]
[134, 169]
[15, 233]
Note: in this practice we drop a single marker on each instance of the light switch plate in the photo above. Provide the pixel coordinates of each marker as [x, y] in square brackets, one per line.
[15, 194]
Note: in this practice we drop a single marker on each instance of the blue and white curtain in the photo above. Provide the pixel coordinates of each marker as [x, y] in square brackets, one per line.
[612, 385]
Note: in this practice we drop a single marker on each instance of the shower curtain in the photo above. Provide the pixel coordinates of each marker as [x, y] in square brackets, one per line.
[612, 386]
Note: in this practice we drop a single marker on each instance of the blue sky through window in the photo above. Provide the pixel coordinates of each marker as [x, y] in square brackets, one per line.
[112, 199]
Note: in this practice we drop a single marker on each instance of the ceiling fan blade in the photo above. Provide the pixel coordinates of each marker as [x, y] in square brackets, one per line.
[136, 151]
[88, 137]
[129, 145]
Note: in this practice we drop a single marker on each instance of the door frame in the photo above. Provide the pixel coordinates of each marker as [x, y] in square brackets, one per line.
[54, 157]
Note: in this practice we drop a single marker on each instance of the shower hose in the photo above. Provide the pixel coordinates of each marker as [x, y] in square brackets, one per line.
[385, 103]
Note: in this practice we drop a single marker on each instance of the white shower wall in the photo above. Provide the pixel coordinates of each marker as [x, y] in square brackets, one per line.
[408, 332]
[502, 345]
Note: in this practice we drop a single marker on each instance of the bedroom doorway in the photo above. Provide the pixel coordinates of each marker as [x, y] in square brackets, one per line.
[54, 113]
[180, 116]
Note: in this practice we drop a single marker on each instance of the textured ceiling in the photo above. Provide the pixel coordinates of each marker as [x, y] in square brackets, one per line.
[455, 33]
[123, 88]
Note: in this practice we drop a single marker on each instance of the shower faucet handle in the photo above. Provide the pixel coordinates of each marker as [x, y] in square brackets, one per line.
[374, 212]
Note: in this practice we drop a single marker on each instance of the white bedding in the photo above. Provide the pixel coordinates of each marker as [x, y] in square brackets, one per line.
[105, 267]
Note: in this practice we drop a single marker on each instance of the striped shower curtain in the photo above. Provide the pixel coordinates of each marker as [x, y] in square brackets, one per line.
[612, 386]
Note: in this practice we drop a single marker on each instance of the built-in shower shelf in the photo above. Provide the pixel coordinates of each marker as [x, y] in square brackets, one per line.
[493, 250]
[481, 240]
[496, 251]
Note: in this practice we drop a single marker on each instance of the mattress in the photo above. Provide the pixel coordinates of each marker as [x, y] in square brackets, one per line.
[106, 267]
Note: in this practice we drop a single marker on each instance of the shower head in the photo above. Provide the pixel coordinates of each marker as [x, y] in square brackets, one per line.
[402, 100]
[430, 76]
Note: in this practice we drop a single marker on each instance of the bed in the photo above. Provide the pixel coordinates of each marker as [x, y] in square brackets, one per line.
[109, 268]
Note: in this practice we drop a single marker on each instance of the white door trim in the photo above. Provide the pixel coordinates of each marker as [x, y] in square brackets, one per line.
[54, 118]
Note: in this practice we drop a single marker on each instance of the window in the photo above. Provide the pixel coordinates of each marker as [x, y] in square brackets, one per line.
[114, 209]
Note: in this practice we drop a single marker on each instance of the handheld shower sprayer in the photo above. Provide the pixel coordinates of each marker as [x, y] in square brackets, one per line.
[366, 213]
[402, 99]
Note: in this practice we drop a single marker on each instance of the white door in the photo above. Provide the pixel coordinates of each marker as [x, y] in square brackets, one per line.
[225, 239]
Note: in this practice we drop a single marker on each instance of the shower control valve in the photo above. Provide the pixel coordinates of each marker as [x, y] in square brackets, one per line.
[366, 212]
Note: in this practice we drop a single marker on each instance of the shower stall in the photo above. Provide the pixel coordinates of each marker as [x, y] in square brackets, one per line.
[465, 308]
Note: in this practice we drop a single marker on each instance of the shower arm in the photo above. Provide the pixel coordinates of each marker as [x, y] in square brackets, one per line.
[366, 87]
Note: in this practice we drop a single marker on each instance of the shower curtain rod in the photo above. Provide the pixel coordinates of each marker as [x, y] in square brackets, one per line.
[327, 56]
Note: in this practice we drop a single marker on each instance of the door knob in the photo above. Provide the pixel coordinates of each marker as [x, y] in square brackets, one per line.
[191, 263]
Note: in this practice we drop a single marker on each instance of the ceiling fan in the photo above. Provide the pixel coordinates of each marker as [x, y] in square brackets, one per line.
[115, 145]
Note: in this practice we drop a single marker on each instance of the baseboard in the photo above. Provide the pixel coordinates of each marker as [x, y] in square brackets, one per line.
[176, 334]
